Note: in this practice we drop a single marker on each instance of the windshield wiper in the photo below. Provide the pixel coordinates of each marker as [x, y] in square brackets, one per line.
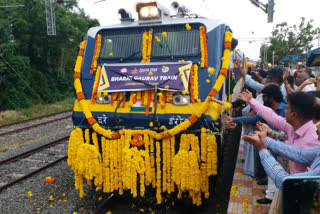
[130, 56]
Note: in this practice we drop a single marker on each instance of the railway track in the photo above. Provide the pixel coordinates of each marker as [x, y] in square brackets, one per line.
[24, 125]
[24, 165]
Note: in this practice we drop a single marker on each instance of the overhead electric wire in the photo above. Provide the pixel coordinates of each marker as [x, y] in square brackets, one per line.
[21, 78]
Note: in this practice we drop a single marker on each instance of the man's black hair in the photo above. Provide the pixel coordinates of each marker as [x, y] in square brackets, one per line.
[302, 103]
[254, 92]
[314, 93]
[273, 90]
[316, 106]
[275, 74]
[290, 80]
[263, 73]
[234, 43]
[316, 111]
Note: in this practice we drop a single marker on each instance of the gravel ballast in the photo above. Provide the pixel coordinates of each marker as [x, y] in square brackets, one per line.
[16, 199]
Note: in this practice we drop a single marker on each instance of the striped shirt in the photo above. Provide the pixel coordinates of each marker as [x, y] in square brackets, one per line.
[304, 137]
[309, 157]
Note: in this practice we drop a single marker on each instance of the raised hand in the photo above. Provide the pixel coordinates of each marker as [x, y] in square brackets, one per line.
[227, 120]
[263, 127]
[245, 96]
[309, 81]
[216, 101]
[257, 140]
[237, 64]
[286, 74]
[231, 125]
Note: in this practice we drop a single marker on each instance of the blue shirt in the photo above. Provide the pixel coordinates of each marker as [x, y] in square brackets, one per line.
[310, 157]
[253, 84]
[255, 118]
[259, 87]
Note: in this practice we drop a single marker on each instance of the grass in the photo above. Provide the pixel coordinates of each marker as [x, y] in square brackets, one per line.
[11, 116]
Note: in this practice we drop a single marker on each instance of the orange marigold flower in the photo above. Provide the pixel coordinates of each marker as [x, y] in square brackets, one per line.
[49, 180]
[91, 120]
[193, 118]
[116, 135]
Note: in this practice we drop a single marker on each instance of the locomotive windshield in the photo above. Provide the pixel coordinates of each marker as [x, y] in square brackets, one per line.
[127, 43]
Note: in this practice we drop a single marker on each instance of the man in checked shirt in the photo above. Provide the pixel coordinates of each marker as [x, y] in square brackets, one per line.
[309, 156]
[297, 124]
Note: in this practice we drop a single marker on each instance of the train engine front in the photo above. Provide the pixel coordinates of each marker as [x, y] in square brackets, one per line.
[143, 116]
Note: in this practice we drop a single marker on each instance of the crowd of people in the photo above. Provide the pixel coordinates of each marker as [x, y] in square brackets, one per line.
[281, 120]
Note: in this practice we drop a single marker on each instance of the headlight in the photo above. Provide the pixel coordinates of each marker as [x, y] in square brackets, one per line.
[180, 99]
[150, 11]
[104, 99]
[144, 11]
[154, 11]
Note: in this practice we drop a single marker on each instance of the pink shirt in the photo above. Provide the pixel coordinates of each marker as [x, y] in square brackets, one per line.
[304, 137]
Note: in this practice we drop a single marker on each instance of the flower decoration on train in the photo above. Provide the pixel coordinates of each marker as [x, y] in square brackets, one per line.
[188, 27]
[210, 71]
[203, 47]
[131, 160]
[96, 54]
[157, 38]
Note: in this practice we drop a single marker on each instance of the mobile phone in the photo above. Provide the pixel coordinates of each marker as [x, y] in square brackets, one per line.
[301, 195]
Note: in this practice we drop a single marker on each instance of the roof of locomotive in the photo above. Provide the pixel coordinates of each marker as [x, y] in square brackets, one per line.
[209, 23]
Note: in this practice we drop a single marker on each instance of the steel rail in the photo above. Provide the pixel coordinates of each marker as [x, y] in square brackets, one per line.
[32, 151]
[35, 118]
[34, 125]
[31, 173]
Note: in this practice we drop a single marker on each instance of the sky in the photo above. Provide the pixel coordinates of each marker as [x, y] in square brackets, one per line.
[248, 23]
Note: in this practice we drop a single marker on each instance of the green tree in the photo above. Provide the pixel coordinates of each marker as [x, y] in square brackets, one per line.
[35, 67]
[290, 40]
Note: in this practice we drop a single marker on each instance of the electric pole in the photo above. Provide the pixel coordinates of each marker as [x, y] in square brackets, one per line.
[50, 17]
[267, 8]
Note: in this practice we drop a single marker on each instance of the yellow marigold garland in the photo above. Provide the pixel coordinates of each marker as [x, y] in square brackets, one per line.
[122, 165]
[79, 149]
[96, 54]
[195, 83]
[96, 85]
[203, 47]
[146, 46]
[158, 177]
